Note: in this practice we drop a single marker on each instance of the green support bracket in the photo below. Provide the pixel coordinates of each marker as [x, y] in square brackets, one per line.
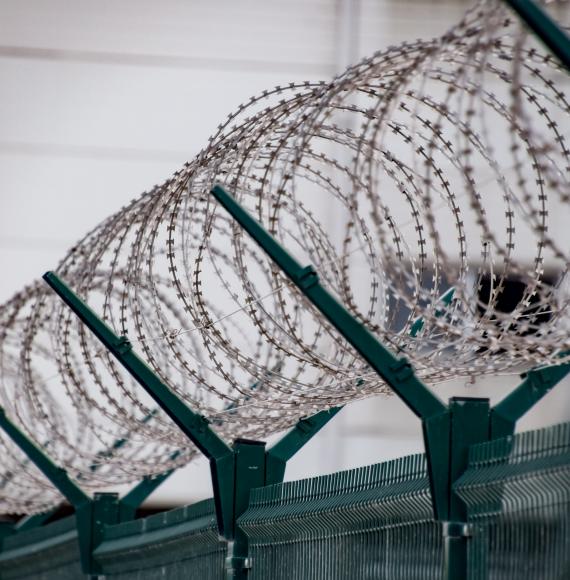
[91, 519]
[132, 500]
[535, 385]
[193, 425]
[90, 514]
[249, 464]
[56, 475]
[235, 470]
[469, 426]
[33, 521]
[257, 467]
[397, 372]
[279, 453]
[448, 431]
[6, 529]
[544, 27]
[128, 504]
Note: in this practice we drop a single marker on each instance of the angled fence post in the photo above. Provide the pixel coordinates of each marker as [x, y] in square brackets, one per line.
[544, 27]
[299, 435]
[448, 431]
[6, 529]
[91, 514]
[133, 499]
[33, 521]
[235, 470]
[397, 372]
[128, 504]
[536, 384]
[193, 425]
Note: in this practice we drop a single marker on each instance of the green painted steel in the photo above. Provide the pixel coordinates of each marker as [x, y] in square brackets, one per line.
[55, 474]
[279, 453]
[7, 528]
[397, 372]
[469, 425]
[536, 384]
[32, 521]
[128, 504]
[192, 424]
[544, 27]
[91, 515]
[224, 460]
[448, 431]
[43, 553]
[132, 500]
[235, 470]
[179, 544]
[517, 495]
[372, 522]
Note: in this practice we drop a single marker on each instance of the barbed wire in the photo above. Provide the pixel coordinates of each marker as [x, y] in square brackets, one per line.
[430, 164]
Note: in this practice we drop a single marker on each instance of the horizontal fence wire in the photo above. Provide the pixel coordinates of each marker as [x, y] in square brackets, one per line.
[371, 522]
[45, 553]
[178, 544]
[517, 492]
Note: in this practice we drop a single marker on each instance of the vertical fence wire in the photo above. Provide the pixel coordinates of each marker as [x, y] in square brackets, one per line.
[372, 522]
[517, 491]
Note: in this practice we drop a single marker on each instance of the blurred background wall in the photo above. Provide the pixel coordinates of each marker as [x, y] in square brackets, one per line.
[101, 100]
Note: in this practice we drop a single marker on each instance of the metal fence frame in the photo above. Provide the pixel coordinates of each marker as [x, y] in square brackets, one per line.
[450, 430]
[374, 522]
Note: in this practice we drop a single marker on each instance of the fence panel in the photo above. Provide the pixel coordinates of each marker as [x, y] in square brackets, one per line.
[517, 490]
[369, 523]
[179, 544]
[45, 553]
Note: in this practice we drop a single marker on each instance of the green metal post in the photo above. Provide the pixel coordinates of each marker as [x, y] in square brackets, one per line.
[33, 521]
[235, 470]
[6, 529]
[469, 425]
[90, 514]
[192, 424]
[128, 504]
[91, 518]
[396, 371]
[544, 27]
[448, 431]
[56, 475]
[250, 457]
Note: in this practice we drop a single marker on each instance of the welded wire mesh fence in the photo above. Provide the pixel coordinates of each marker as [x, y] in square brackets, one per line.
[374, 522]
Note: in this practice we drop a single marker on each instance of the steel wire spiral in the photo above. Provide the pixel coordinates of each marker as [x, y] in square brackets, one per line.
[432, 164]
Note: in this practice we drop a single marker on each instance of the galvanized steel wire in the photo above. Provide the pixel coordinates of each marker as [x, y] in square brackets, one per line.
[430, 164]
